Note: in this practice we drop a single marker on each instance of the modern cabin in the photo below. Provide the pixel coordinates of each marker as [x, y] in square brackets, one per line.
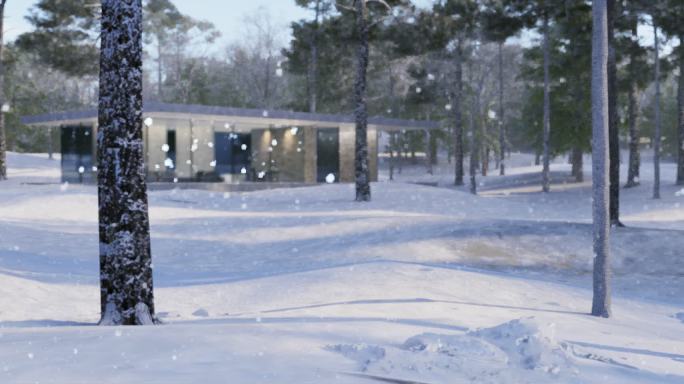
[235, 145]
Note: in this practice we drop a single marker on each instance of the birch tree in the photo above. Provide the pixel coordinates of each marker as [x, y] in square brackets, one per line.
[601, 177]
[125, 257]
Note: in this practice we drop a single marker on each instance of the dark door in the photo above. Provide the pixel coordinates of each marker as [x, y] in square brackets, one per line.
[328, 159]
[77, 154]
[170, 161]
[232, 152]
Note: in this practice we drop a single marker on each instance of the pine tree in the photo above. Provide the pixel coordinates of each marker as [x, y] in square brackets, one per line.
[161, 17]
[65, 35]
[3, 139]
[498, 26]
[125, 257]
[636, 78]
[457, 21]
[320, 8]
[540, 14]
[474, 138]
[670, 18]
[601, 177]
[364, 20]
[546, 181]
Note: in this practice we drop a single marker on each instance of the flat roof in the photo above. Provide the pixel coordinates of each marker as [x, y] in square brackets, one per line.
[232, 115]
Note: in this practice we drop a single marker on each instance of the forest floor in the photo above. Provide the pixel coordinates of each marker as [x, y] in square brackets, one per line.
[421, 285]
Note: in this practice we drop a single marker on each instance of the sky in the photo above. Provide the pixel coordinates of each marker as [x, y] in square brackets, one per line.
[227, 15]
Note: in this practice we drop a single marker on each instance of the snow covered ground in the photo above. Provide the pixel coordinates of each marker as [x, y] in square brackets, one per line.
[424, 285]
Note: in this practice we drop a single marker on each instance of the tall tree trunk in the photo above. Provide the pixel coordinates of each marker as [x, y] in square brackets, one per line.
[392, 144]
[434, 148]
[267, 84]
[363, 191]
[125, 258]
[577, 161]
[601, 174]
[160, 71]
[313, 65]
[473, 142]
[656, 138]
[458, 116]
[3, 137]
[51, 145]
[613, 130]
[428, 152]
[501, 121]
[546, 179]
[632, 110]
[680, 114]
[485, 160]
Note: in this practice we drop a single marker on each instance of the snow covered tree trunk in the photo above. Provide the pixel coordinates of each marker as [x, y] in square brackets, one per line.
[363, 191]
[502, 127]
[634, 135]
[656, 138]
[680, 115]
[613, 130]
[546, 180]
[125, 258]
[3, 138]
[601, 174]
[458, 117]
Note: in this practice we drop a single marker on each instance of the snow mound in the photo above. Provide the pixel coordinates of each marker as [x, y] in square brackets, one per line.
[528, 345]
[520, 351]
